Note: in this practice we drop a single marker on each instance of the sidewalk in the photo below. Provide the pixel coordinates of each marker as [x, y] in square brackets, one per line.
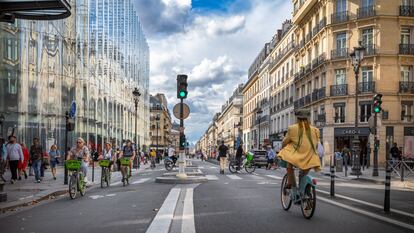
[26, 192]
[380, 179]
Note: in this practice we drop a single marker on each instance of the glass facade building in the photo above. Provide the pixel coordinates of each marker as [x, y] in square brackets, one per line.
[94, 58]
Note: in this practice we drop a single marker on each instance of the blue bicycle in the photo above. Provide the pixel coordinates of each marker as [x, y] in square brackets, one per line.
[304, 195]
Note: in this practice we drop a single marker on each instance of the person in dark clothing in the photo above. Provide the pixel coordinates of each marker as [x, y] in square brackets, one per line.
[223, 156]
[239, 154]
[395, 152]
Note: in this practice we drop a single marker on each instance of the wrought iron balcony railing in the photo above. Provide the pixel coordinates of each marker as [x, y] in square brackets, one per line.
[406, 10]
[366, 87]
[407, 49]
[339, 53]
[370, 50]
[339, 17]
[407, 87]
[339, 90]
[366, 12]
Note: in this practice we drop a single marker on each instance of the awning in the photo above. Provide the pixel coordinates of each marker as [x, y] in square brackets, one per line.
[33, 10]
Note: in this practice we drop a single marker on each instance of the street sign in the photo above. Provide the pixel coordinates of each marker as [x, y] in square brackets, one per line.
[177, 109]
[72, 112]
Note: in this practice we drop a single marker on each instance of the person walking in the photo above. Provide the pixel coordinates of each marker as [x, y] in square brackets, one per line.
[14, 155]
[153, 155]
[239, 155]
[223, 149]
[36, 156]
[3, 158]
[300, 147]
[271, 155]
[23, 164]
[54, 156]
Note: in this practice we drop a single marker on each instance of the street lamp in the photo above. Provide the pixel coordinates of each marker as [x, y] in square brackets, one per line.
[136, 94]
[357, 56]
[2, 119]
[157, 118]
[259, 115]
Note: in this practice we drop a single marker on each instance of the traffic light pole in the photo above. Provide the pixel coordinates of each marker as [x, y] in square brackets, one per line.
[376, 142]
[181, 162]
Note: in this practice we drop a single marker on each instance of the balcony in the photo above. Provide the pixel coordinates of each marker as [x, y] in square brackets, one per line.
[339, 53]
[302, 43]
[339, 90]
[308, 37]
[407, 49]
[315, 30]
[406, 10]
[286, 102]
[366, 12]
[318, 94]
[291, 99]
[407, 87]
[302, 102]
[339, 119]
[370, 50]
[308, 99]
[301, 9]
[321, 118]
[366, 87]
[339, 17]
[322, 23]
[308, 68]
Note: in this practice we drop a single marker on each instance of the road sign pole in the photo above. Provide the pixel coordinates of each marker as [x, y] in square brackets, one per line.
[181, 163]
[376, 142]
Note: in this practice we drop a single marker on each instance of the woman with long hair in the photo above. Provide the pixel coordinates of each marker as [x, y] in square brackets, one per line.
[300, 147]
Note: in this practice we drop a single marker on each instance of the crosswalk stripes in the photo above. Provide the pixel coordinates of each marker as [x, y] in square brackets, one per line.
[274, 177]
[234, 177]
[212, 177]
[141, 181]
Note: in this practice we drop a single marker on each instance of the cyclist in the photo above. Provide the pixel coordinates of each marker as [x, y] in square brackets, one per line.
[128, 152]
[171, 154]
[299, 147]
[108, 154]
[239, 154]
[80, 152]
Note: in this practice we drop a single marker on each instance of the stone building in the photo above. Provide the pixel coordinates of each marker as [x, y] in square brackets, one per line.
[160, 123]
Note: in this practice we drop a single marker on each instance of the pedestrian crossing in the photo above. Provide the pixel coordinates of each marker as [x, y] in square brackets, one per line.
[239, 177]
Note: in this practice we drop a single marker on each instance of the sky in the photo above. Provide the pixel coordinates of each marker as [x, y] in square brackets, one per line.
[212, 41]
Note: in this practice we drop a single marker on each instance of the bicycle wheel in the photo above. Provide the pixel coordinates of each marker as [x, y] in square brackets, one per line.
[72, 187]
[233, 166]
[123, 175]
[250, 167]
[103, 177]
[82, 185]
[108, 177]
[169, 165]
[308, 203]
[285, 197]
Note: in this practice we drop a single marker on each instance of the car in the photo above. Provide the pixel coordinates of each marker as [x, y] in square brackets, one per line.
[260, 158]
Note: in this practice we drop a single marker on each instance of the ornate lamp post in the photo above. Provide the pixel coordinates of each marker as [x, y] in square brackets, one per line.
[136, 94]
[357, 56]
[259, 115]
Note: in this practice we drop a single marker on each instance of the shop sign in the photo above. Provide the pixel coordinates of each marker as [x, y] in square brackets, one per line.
[350, 131]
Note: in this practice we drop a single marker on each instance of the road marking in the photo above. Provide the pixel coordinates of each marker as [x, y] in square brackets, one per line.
[141, 181]
[116, 183]
[110, 195]
[94, 197]
[213, 167]
[164, 217]
[274, 177]
[212, 177]
[234, 177]
[369, 214]
[188, 225]
[368, 203]
[256, 177]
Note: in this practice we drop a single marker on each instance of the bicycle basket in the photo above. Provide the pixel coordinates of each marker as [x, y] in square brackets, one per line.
[282, 163]
[73, 165]
[104, 163]
[124, 161]
[249, 157]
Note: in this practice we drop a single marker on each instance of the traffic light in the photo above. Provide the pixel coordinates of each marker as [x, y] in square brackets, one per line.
[183, 141]
[182, 86]
[377, 103]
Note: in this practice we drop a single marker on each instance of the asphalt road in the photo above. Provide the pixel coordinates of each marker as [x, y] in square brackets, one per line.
[226, 203]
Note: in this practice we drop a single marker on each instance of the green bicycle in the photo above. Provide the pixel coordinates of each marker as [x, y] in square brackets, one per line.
[106, 172]
[248, 164]
[126, 172]
[76, 181]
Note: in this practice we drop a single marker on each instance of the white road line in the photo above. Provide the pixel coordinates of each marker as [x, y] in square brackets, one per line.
[274, 177]
[141, 181]
[256, 177]
[164, 217]
[116, 183]
[368, 203]
[188, 225]
[369, 214]
[234, 177]
[212, 177]
[213, 167]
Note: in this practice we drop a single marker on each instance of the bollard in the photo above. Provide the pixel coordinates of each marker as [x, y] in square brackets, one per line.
[387, 187]
[332, 178]
[93, 171]
[346, 165]
[402, 171]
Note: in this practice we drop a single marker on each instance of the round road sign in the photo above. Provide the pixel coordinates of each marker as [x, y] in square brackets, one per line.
[177, 109]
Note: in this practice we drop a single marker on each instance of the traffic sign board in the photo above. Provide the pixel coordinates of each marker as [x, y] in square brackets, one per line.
[177, 109]
[72, 112]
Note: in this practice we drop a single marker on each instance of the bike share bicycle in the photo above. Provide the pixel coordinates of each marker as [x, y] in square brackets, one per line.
[248, 164]
[304, 195]
[106, 172]
[76, 181]
[125, 170]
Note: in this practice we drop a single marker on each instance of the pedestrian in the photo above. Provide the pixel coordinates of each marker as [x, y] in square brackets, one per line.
[14, 155]
[346, 154]
[300, 148]
[3, 158]
[153, 155]
[36, 156]
[54, 156]
[223, 149]
[321, 152]
[239, 155]
[395, 154]
[270, 157]
[80, 152]
[23, 164]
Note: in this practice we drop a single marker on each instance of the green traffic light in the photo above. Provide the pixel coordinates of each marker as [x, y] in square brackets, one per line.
[377, 109]
[182, 93]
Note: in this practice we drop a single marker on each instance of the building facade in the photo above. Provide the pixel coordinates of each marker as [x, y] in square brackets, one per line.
[325, 81]
[160, 123]
[86, 59]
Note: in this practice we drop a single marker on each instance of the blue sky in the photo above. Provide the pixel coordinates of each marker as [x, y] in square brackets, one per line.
[213, 42]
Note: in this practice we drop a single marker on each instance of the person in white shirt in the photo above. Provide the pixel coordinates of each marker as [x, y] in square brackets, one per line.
[171, 154]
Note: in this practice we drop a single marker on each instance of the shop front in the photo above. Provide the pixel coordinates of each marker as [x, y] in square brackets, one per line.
[408, 150]
[344, 136]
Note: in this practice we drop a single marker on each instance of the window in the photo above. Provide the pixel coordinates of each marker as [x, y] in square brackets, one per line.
[340, 77]
[367, 74]
[11, 83]
[340, 6]
[367, 3]
[316, 83]
[11, 50]
[339, 116]
[323, 80]
[406, 2]
[405, 35]
[407, 111]
[367, 37]
[341, 41]
[365, 112]
[406, 74]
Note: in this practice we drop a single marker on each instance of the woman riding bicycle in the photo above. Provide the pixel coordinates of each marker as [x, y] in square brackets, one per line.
[80, 152]
[108, 154]
[299, 147]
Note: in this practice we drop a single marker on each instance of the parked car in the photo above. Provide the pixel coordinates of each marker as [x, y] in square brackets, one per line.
[260, 158]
